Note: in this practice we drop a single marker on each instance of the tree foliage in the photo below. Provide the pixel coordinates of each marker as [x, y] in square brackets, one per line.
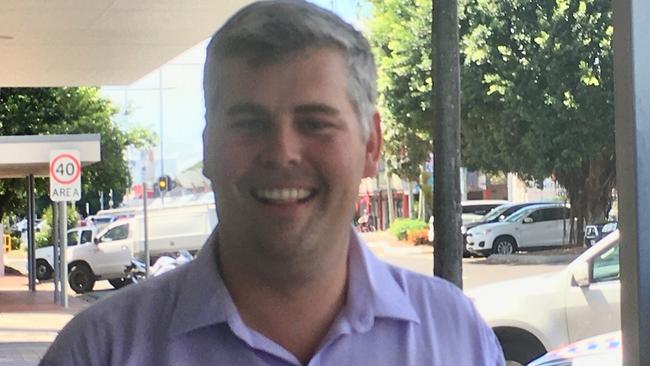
[400, 34]
[538, 94]
[49, 111]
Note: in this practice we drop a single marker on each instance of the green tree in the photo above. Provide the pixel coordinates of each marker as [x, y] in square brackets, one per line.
[45, 237]
[538, 95]
[48, 111]
[400, 34]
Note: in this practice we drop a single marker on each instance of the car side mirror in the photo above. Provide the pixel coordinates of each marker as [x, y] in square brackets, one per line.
[502, 217]
[528, 220]
[96, 240]
[580, 275]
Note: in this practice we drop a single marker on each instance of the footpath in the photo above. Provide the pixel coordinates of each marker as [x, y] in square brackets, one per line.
[29, 321]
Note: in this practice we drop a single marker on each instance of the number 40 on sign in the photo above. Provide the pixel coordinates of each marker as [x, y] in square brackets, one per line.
[65, 175]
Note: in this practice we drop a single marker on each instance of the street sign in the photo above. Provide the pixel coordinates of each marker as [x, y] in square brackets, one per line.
[65, 175]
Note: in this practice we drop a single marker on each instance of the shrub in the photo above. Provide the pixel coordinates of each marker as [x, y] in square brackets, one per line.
[401, 227]
[15, 242]
[45, 237]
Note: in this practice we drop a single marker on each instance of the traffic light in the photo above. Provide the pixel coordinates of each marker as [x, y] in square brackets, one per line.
[164, 183]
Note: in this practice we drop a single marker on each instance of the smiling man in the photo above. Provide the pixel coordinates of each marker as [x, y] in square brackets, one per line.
[291, 130]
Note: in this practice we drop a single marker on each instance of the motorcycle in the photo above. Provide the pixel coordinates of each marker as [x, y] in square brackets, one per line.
[163, 264]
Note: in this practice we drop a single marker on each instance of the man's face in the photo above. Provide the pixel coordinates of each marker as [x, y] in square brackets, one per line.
[284, 152]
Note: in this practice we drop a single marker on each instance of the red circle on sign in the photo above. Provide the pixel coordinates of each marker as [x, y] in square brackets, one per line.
[76, 163]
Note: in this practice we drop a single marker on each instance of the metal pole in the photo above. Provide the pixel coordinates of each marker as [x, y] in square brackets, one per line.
[146, 229]
[63, 229]
[31, 251]
[56, 252]
[162, 139]
[632, 115]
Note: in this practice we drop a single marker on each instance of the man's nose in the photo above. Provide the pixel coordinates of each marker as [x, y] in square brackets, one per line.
[283, 147]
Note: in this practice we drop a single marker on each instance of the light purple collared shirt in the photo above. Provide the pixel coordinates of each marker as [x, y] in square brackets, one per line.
[392, 317]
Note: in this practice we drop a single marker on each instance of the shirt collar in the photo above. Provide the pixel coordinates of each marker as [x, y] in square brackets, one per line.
[203, 297]
[373, 292]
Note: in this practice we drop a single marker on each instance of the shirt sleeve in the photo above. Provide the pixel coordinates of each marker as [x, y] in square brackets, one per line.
[489, 343]
[80, 343]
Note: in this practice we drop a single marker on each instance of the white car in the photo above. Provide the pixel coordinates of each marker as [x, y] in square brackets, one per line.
[602, 350]
[474, 210]
[533, 315]
[532, 227]
[45, 255]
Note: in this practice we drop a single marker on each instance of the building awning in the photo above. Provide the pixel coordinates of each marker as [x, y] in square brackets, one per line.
[21, 156]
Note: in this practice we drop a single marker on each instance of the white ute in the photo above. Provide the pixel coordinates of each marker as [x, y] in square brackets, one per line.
[108, 255]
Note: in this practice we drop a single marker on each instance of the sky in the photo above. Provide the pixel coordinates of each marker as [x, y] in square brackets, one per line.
[178, 121]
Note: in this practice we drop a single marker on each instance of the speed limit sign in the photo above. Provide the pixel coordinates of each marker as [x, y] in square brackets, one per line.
[65, 175]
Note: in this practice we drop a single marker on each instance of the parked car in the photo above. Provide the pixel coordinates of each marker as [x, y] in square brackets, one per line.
[500, 213]
[595, 232]
[45, 255]
[497, 214]
[602, 350]
[532, 227]
[474, 210]
[533, 315]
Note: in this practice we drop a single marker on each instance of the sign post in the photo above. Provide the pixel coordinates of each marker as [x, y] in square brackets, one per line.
[65, 186]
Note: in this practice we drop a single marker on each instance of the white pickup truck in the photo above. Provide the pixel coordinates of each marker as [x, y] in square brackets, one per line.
[107, 254]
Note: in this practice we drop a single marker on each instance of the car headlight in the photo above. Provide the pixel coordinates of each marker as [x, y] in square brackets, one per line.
[482, 232]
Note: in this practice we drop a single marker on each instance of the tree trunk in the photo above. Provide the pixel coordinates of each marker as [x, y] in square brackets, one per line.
[410, 212]
[446, 131]
[589, 190]
[389, 194]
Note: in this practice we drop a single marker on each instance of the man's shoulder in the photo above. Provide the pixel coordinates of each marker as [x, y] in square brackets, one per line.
[427, 292]
[151, 298]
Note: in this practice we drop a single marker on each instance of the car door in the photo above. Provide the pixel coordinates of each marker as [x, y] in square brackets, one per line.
[533, 228]
[562, 225]
[596, 309]
[112, 252]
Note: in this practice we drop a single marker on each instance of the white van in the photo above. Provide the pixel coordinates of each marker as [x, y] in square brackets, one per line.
[109, 255]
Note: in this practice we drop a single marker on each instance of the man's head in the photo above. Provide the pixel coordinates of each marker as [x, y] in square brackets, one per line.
[270, 31]
[291, 127]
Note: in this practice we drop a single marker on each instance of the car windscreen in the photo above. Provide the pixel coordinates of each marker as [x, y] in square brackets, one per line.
[517, 216]
[495, 213]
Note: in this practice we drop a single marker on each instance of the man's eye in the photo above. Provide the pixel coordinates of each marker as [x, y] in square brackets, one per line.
[249, 125]
[314, 125]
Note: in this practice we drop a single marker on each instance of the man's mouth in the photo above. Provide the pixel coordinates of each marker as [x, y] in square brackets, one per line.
[283, 195]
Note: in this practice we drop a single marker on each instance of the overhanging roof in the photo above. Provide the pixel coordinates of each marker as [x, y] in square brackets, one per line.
[100, 42]
[21, 156]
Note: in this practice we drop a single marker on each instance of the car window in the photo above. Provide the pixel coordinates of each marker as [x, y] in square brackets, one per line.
[117, 233]
[606, 266]
[72, 238]
[558, 213]
[86, 236]
[538, 215]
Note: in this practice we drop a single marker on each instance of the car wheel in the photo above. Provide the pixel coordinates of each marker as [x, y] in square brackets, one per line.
[43, 270]
[81, 278]
[504, 245]
[119, 282]
[519, 347]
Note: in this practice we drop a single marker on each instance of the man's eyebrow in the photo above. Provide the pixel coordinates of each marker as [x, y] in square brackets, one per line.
[246, 108]
[316, 108]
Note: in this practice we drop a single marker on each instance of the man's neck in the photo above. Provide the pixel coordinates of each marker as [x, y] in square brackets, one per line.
[291, 306]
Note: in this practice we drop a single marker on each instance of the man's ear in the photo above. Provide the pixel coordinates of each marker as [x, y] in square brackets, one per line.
[373, 147]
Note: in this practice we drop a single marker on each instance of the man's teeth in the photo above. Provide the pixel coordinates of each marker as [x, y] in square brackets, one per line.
[286, 195]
